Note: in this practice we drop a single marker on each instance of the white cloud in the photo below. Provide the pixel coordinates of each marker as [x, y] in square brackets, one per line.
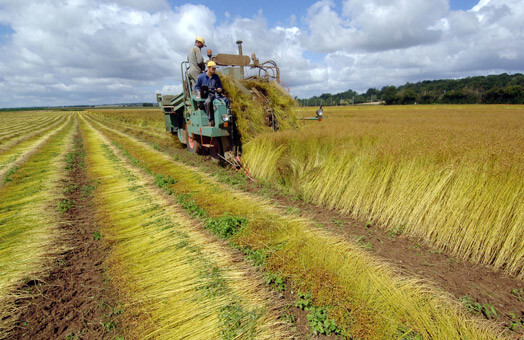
[126, 46]
[171, 89]
[374, 25]
[82, 51]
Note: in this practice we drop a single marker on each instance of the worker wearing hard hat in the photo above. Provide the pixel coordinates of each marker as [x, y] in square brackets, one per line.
[196, 62]
[209, 86]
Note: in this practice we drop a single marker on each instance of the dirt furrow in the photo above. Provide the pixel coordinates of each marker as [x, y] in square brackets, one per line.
[340, 275]
[30, 215]
[476, 287]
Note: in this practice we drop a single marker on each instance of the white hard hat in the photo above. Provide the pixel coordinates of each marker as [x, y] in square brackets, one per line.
[202, 40]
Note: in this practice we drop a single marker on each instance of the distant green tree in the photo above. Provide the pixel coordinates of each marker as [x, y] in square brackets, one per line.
[389, 95]
[501, 88]
[408, 97]
[508, 95]
[458, 97]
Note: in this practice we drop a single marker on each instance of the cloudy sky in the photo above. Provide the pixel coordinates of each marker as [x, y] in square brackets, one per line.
[66, 52]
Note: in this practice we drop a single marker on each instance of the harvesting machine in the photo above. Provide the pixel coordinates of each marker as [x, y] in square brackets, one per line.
[184, 114]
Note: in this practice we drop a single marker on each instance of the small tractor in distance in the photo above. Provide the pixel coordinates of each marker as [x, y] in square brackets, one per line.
[184, 114]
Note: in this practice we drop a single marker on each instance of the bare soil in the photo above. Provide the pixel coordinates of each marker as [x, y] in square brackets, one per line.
[75, 301]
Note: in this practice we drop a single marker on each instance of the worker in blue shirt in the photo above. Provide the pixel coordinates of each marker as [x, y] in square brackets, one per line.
[214, 84]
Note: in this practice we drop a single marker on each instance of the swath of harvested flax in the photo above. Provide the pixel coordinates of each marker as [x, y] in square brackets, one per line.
[30, 218]
[167, 268]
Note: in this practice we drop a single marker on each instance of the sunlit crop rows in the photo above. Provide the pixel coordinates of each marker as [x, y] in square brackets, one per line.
[30, 173]
[367, 298]
[176, 282]
[13, 122]
[174, 279]
[12, 132]
[145, 119]
[452, 175]
[22, 144]
[409, 170]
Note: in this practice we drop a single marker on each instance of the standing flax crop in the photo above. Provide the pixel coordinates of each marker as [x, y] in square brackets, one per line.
[451, 175]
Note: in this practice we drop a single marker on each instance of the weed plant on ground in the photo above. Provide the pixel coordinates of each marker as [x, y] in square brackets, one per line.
[450, 175]
[177, 283]
[365, 298]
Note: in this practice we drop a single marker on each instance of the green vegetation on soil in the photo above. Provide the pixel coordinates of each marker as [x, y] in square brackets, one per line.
[452, 178]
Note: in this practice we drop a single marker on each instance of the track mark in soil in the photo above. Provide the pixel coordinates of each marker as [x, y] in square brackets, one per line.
[75, 301]
[169, 232]
[295, 319]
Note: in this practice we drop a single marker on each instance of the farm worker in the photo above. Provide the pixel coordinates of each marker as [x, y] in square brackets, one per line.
[196, 62]
[212, 81]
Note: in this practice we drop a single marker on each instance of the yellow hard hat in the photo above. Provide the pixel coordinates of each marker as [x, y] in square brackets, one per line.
[211, 64]
[202, 40]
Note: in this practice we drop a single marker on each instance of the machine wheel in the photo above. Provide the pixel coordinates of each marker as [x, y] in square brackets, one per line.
[193, 145]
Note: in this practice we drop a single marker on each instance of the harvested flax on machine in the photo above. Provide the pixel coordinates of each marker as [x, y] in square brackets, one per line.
[259, 106]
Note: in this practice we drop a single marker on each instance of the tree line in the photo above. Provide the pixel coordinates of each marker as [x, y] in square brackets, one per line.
[493, 89]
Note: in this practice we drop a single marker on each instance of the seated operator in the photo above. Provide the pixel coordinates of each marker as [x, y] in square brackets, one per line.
[212, 81]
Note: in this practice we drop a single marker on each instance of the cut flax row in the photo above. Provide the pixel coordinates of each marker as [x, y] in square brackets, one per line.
[29, 219]
[176, 281]
[15, 153]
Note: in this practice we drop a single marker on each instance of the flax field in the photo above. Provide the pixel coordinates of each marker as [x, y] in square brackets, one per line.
[451, 175]
[194, 254]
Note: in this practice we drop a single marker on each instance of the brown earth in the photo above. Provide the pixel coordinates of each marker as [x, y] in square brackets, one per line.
[75, 301]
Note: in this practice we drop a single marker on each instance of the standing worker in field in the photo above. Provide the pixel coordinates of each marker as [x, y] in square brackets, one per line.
[196, 62]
